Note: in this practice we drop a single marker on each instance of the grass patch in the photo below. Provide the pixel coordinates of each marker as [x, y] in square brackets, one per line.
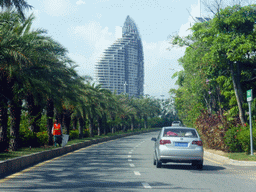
[28, 151]
[22, 152]
[242, 156]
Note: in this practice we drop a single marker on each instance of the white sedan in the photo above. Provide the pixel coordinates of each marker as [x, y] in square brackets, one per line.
[178, 144]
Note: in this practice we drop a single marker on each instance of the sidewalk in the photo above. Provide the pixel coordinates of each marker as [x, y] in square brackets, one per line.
[219, 156]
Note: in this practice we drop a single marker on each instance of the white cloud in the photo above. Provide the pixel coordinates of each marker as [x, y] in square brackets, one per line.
[98, 15]
[80, 2]
[99, 1]
[97, 38]
[195, 12]
[158, 62]
[91, 32]
[58, 7]
[150, 46]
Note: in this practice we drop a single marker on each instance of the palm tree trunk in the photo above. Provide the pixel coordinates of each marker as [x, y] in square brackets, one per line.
[50, 114]
[15, 112]
[132, 123]
[74, 123]
[113, 129]
[99, 126]
[34, 112]
[91, 126]
[67, 119]
[81, 127]
[3, 124]
[104, 123]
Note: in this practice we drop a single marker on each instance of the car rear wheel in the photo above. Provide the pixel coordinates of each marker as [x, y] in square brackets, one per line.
[194, 163]
[158, 164]
[198, 164]
[154, 159]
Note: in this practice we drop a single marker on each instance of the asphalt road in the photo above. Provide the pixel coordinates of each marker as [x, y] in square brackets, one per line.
[126, 164]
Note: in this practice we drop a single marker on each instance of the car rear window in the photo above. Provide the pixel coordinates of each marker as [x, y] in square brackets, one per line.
[169, 132]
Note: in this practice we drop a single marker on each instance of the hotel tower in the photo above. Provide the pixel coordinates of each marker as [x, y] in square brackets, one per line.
[121, 68]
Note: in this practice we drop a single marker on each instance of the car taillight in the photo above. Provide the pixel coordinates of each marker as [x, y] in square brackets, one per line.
[163, 142]
[199, 143]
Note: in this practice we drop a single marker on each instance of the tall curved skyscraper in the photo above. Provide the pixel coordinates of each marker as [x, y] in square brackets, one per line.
[121, 68]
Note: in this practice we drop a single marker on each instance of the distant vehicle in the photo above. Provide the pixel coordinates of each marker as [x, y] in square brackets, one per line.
[176, 123]
[178, 144]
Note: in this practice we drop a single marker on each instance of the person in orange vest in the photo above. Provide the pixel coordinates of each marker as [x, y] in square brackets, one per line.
[57, 133]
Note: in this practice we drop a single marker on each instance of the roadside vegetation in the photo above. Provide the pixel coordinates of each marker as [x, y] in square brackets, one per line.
[219, 67]
[39, 83]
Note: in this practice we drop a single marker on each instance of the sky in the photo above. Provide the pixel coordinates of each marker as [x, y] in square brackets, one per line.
[88, 27]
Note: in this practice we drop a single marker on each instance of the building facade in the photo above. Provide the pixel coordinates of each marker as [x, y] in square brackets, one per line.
[121, 68]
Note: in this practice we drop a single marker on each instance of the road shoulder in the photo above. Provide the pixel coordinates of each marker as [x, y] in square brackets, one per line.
[222, 158]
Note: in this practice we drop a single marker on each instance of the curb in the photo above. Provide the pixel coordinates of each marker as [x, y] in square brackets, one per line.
[226, 160]
[10, 166]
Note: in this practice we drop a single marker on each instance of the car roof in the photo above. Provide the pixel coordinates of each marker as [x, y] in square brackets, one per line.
[179, 128]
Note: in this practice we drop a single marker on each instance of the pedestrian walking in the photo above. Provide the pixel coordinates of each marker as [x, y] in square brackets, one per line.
[57, 133]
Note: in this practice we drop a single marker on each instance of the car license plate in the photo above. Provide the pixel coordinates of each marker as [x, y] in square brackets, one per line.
[181, 144]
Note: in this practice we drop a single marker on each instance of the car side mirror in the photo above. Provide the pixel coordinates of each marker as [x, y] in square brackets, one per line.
[153, 139]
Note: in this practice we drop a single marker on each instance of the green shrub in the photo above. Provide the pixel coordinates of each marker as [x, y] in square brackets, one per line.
[27, 138]
[155, 122]
[243, 137]
[43, 123]
[231, 139]
[42, 138]
[73, 134]
[86, 132]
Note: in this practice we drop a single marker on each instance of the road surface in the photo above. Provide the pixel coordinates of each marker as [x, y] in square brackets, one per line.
[126, 164]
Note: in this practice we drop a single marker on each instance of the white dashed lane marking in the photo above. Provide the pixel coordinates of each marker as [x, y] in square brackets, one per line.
[146, 185]
[136, 173]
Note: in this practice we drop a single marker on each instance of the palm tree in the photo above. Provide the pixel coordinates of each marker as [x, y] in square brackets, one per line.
[31, 64]
[62, 93]
[3, 121]
[14, 65]
[94, 107]
[74, 87]
[19, 5]
[82, 107]
[106, 104]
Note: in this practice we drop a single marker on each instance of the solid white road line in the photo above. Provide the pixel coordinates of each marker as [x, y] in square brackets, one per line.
[136, 172]
[146, 185]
